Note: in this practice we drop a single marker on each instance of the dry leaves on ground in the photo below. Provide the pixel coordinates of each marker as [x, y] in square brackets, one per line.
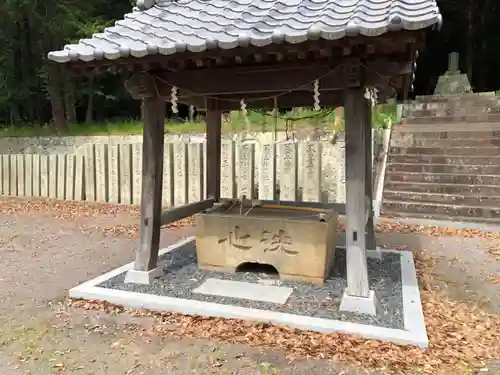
[494, 279]
[385, 226]
[495, 253]
[390, 227]
[133, 230]
[459, 336]
[74, 210]
[67, 210]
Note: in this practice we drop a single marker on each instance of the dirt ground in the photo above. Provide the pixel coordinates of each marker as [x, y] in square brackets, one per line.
[41, 257]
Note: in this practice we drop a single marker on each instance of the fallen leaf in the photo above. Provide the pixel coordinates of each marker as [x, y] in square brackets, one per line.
[494, 279]
[495, 253]
[116, 344]
[460, 336]
[72, 210]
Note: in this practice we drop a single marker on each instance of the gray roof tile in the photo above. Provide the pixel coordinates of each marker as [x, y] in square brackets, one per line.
[169, 26]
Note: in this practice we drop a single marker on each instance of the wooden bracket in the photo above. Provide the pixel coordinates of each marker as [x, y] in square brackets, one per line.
[353, 73]
[142, 85]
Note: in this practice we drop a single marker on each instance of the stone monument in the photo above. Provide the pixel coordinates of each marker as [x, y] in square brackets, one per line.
[453, 82]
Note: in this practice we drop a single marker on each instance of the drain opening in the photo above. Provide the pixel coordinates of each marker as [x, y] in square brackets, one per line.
[258, 268]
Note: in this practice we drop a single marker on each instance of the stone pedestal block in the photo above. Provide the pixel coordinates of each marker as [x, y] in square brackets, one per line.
[452, 83]
[297, 243]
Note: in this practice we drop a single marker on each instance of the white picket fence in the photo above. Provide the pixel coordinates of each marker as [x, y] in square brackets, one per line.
[306, 171]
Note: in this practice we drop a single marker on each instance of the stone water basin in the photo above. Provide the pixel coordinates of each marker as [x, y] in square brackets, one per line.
[299, 242]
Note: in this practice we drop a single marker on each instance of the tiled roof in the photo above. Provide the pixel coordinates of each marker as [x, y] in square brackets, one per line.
[171, 26]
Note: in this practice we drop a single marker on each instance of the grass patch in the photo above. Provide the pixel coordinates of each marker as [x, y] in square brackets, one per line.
[254, 121]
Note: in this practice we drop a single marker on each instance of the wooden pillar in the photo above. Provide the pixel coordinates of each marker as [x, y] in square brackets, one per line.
[356, 205]
[214, 127]
[370, 229]
[152, 183]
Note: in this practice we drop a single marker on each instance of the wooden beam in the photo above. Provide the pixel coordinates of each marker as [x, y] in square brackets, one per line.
[355, 123]
[213, 120]
[302, 98]
[152, 178]
[184, 211]
[330, 99]
[276, 78]
[391, 41]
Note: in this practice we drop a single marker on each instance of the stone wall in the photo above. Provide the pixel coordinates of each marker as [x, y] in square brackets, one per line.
[108, 168]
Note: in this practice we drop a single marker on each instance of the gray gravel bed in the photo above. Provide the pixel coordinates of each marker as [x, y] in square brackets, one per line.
[182, 276]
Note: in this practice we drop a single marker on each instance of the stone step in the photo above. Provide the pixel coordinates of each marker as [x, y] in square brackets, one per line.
[439, 188]
[443, 178]
[387, 212]
[453, 199]
[432, 208]
[450, 101]
[450, 111]
[411, 141]
[491, 101]
[448, 151]
[444, 168]
[458, 97]
[443, 159]
[437, 131]
[487, 117]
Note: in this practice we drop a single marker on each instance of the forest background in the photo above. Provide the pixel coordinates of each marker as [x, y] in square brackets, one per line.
[30, 88]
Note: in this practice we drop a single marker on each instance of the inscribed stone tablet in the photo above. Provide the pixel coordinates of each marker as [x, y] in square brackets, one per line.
[113, 181]
[20, 175]
[227, 189]
[53, 176]
[100, 173]
[28, 175]
[267, 172]
[79, 178]
[246, 167]
[180, 173]
[13, 175]
[61, 176]
[312, 172]
[44, 175]
[90, 188]
[453, 59]
[125, 173]
[168, 175]
[288, 171]
[6, 174]
[195, 168]
[70, 178]
[36, 175]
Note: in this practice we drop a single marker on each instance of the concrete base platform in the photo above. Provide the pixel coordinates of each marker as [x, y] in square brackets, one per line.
[309, 307]
[143, 277]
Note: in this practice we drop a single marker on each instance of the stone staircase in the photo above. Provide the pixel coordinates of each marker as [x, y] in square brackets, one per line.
[444, 160]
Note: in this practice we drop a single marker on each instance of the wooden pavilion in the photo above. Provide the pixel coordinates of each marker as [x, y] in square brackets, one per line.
[219, 54]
